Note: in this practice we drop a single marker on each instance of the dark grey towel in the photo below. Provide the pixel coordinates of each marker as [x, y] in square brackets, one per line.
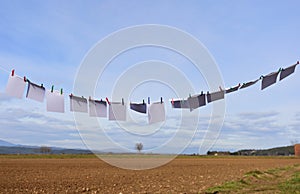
[269, 80]
[139, 107]
[215, 96]
[287, 71]
[180, 104]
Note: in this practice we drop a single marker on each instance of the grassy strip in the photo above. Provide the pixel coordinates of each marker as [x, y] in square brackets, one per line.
[292, 185]
[278, 180]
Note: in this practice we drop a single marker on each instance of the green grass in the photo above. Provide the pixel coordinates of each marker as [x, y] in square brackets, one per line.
[278, 180]
[292, 185]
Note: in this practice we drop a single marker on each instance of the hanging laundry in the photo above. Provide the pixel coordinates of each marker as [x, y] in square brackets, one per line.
[35, 92]
[180, 103]
[117, 111]
[269, 80]
[196, 101]
[97, 108]
[55, 101]
[287, 71]
[215, 96]
[233, 89]
[156, 112]
[78, 104]
[139, 107]
[245, 85]
[15, 86]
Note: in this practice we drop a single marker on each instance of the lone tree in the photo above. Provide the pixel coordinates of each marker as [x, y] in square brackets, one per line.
[139, 147]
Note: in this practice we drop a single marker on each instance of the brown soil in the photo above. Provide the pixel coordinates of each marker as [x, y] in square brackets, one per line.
[182, 175]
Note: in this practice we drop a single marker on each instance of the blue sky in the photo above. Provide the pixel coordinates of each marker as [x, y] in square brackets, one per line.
[47, 41]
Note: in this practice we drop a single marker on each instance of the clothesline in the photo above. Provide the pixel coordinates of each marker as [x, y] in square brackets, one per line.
[117, 110]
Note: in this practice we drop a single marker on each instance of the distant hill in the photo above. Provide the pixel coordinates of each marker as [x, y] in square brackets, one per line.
[40, 150]
[5, 143]
[10, 148]
[279, 151]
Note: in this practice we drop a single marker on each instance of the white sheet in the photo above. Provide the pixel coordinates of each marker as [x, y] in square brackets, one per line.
[78, 104]
[55, 102]
[35, 92]
[97, 108]
[15, 86]
[117, 112]
[156, 112]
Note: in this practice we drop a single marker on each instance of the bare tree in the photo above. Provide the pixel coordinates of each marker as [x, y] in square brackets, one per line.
[139, 147]
[293, 142]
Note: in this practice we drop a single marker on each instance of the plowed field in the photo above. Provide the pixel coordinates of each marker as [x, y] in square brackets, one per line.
[91, 175]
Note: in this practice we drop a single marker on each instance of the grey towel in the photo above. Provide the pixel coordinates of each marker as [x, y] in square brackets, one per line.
[196, 101]
[139, 107]
[215, 96]
[269, 80]
[287, 71]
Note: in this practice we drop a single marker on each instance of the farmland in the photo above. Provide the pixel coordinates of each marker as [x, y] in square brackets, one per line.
[71, 174]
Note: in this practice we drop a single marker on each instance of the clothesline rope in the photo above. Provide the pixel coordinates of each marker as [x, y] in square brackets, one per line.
[117, 110]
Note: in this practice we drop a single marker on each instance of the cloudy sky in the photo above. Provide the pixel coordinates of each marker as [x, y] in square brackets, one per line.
[47, 41]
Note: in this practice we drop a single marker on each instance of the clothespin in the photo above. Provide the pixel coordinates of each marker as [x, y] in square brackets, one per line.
[161, 100]
[52, 88]
[107, 100]
[90, 98]
[172, 101]
[61, 91]
[25, 79]
[261, 77]
[280, 69]
[190, 95]
[12, 72]
[202, 92]
[71, 95]
[220, 88]
[122, 101]
[207, 92]
[143, 101]
[42, 85]
[148, 100]
[297, 63]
